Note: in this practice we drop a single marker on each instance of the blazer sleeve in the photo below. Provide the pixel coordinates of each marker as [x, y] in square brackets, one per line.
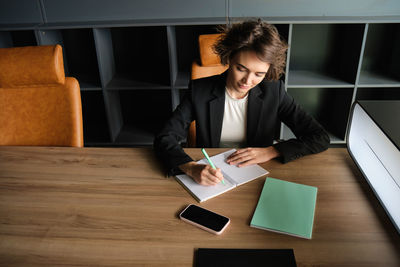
[167, 143]
[310, 135]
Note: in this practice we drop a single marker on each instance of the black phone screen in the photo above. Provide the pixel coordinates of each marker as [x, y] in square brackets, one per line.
[205, 217]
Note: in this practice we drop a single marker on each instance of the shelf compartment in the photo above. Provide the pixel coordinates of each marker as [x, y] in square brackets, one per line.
[144, 113]
[5, 39]
[95, 127]
[301, 79]
[381, 59]
[187, 47]
[80, 54]
[374, 79]
[392, 93]
[124, 82]
[182, 80]
[140, 58]
[288, 134]
[320, 57]
[17, 38]
[283, 30]
[329, 106]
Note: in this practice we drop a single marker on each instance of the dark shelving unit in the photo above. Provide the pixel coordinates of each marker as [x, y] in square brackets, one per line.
[324, 55]
[95, 125]
[142, 119]
[133, 72]
[381, 61]
[140, 57]
[329, 106]
[79, 49]
[17, 38]
[382, 93]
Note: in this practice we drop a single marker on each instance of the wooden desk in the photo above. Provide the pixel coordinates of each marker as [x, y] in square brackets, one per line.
[114, 207]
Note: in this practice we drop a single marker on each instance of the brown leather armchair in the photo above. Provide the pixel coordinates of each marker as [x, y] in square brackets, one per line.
[39, 106]
[210, 65]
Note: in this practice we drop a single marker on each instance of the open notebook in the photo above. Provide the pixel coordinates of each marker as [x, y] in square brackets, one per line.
[234, 176]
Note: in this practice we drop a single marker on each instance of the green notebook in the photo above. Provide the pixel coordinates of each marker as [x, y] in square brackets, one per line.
[286, 207]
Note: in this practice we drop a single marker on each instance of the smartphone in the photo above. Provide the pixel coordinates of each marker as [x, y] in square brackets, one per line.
[205, 219]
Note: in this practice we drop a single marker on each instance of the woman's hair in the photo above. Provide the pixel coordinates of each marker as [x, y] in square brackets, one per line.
[254, 35]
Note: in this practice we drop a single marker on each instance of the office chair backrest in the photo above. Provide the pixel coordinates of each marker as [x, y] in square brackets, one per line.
[39, 106]
[210, 65]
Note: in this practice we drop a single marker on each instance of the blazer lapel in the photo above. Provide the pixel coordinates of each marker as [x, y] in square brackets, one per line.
[216, 112]
[254, 109]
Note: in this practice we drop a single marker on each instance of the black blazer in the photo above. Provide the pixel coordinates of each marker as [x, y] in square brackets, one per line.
[268, 105]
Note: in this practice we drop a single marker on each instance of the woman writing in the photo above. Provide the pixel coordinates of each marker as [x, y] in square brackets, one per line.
[241, 108]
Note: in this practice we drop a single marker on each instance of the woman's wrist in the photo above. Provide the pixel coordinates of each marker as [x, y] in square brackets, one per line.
[273, 152]
[187, 167]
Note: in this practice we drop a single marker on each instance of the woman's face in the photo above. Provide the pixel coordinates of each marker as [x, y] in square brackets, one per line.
[245, 71]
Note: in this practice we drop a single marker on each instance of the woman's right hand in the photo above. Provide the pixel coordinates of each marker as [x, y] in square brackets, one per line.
[202, 174]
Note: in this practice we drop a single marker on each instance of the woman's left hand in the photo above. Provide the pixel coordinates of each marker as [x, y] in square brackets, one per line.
[252, 155]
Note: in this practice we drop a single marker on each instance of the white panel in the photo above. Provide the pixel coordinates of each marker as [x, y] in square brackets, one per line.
[379, 160]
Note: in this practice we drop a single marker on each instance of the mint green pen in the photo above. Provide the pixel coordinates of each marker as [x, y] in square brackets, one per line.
[209, 161]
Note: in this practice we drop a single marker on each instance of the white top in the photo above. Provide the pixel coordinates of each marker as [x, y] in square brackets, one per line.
[235, 121]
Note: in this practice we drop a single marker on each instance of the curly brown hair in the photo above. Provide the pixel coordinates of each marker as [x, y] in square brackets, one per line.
[254, 35]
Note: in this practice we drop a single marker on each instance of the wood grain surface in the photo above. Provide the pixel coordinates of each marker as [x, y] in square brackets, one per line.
[116, 207]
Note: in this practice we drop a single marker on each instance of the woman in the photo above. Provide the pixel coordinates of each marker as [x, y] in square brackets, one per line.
[241, 108]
